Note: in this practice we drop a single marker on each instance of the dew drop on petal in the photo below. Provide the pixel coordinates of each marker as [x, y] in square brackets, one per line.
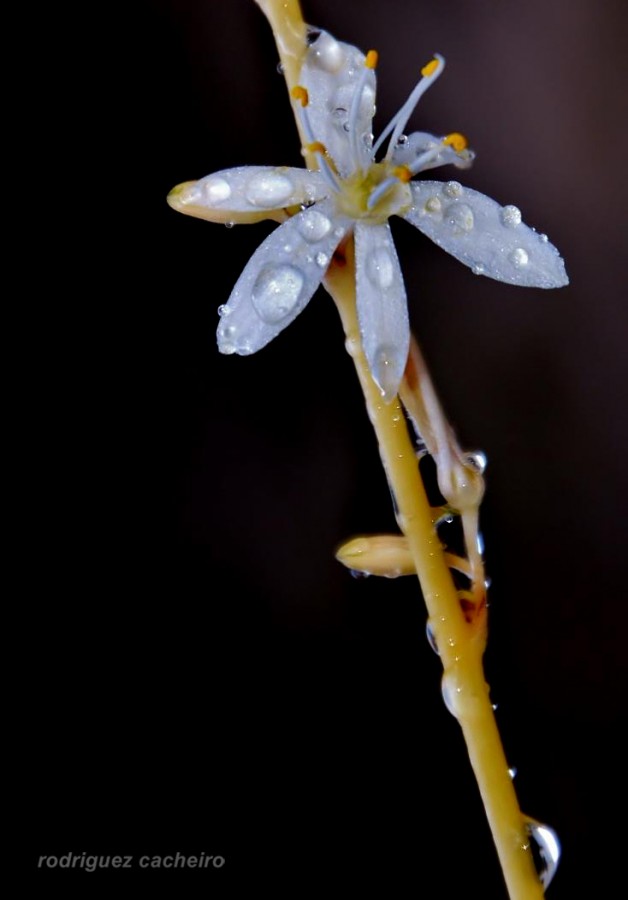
[224, 310]
[329, 54]
[511, 216]
[216, 189]
[276, 292]
[453, 189]
[383, 371]
[268, 189]
[322, 260]
[512, 771]
[380, 269]
[431, 638]
[548, 847]
[460, 217]
[543, 238]
[433, 205]
[229, 224]
[313, 225]
[478, 269]
[519, 258]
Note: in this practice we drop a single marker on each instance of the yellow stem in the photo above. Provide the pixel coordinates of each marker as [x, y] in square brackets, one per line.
[460, 645]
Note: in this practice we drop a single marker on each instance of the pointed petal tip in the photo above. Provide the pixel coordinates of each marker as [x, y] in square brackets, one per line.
[180, 195]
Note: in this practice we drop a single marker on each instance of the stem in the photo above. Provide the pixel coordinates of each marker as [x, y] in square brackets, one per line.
[460, 644]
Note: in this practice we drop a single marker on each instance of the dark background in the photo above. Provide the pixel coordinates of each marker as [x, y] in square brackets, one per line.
[205, 677]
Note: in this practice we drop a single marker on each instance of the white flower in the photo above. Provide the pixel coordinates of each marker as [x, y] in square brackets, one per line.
[352, 193]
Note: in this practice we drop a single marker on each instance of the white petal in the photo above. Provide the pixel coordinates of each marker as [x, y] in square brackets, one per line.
[489, 238]
[253, 189]
[331, 73]
[382, 307]
[279, 279]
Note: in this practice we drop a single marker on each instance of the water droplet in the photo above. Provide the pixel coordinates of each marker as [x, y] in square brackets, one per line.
[402, 140]
[280, 68]
[226, 348]
[477, 460]
[380, 269]
[460, 217]
[340, 112]
[383, 372]
[329, 53]
[313, 225]
[519, 258]
[511, 216]
[216, 189]
[478, 269]
[287, 248]
[358, 573]
[450, 691]
[453, 189]
[268, 189]
[322, 260]
[431, 638]
[229, 224]
[346, 127]
[494, 707]
[512, 771]
[433, 205]
[548, 846]
[276, 292]
[224, 310]
[543, 238]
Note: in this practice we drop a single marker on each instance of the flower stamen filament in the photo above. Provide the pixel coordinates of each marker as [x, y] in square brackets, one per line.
[369, 64]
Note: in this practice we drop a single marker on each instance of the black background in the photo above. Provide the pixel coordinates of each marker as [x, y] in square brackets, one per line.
[203, 676]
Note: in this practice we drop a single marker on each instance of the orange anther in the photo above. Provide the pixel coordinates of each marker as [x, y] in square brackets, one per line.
[371, 59]
[403, 173]
[300, 93]
[430, 68]
[457, 141]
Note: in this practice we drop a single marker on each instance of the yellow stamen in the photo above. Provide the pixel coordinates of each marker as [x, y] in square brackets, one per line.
[430, 68]
[371, 59]
[300, 93]
[457, 141]
[317, 147]
[403, 173]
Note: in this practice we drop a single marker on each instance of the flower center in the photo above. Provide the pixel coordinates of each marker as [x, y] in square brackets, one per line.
[374, 195]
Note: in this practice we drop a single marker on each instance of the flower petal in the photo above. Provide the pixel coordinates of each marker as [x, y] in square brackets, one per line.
[489, 238]
[331, 73]
[248, 193]
[382, 307]
[279, 279]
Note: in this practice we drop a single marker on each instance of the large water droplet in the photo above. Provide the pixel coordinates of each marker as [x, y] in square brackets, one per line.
[431, 637]
[313, 225]
[453, 189]
[268, 189]
[548, 846]
[216, 189]
[276, 292]
[329, 54]
[433, 205]
[519, 258]
[511, 216]
[380, 268]
[460, 217]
